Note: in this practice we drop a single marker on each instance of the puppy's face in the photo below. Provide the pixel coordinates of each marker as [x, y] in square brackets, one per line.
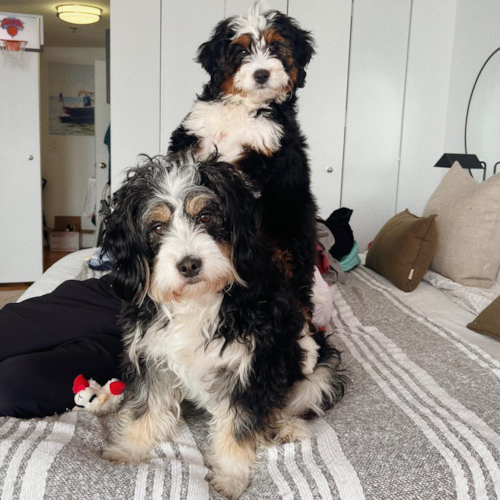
[185, 227]
[261, 57]
[170, 233]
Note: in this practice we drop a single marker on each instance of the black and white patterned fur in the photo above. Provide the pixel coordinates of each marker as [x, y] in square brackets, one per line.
[247, 114]
[208, 317]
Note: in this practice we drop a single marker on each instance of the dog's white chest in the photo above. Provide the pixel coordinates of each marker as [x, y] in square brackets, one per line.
[230, 128]
[182, 345]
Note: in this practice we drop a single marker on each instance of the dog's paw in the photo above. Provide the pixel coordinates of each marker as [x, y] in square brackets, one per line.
[292, 429]
[311, 349]
[115, 454]
[230, 486]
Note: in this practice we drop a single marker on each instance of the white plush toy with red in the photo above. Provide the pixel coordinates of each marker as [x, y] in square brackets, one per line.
[97, 399]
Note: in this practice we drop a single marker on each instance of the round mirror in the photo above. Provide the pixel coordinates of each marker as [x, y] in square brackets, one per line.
[482, 125]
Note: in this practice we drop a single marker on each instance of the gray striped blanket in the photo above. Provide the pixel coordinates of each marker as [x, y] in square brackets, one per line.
[421, 420]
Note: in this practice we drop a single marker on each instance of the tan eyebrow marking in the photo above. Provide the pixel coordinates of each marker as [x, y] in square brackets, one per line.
[244, 40]
[161, 213]
[195, 204]
[271, 35]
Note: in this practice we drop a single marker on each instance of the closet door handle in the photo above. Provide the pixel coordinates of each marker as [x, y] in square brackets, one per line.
[102, 165]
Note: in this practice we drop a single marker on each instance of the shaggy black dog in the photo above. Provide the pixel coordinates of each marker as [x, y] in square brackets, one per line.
[247, 114]
[209, 317]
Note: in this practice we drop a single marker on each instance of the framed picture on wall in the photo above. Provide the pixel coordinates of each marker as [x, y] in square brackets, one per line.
[71, 99]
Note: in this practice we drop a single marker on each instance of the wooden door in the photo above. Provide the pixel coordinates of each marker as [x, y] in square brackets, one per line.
[21, 244]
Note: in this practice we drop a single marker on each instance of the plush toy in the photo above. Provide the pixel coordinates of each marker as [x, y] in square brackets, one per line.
[97, 399]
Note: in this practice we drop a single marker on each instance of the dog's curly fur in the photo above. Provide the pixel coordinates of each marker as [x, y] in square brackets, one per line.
[254, 126]
[227, 336]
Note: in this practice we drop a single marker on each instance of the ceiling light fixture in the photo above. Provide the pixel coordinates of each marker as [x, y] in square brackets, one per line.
[79, 14]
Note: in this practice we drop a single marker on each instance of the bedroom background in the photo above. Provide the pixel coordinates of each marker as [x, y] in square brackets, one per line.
[66, 155]
[385, 97]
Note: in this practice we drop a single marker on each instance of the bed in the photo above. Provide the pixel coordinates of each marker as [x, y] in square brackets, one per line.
[420, 420]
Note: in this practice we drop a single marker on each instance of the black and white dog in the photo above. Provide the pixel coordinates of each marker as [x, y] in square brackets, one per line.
[247, 114]
[208, 317]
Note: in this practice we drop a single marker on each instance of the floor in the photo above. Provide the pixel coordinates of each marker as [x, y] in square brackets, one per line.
[10, 292]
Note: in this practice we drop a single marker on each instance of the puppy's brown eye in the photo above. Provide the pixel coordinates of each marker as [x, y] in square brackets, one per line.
[159, 229]
[241, 51]
[205, 217]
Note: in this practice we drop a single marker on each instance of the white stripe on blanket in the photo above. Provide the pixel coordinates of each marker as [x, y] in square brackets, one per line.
[453, 404]
[277, 477]
[355, 328]
[454, 338]
[197, 486]
[340, 468]
[317, 475]
[44, 455]
[295, 473]
[7, 442]
[141, 481]
[13, 470]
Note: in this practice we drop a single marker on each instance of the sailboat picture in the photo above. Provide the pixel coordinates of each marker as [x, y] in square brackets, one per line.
[71, 99]
[81, 113]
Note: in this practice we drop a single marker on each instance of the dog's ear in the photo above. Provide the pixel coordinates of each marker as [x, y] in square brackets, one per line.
[302, 44]
[212, 52]
[124, 243]
[242, 216]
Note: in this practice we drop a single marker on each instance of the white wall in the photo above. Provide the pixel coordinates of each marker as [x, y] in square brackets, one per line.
[67, 160]
[181, 77]
[477, 35]
[426, 102]
[393, 141]
[135, 84]
[376, 90]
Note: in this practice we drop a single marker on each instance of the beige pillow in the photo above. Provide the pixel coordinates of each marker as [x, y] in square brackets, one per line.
[403, 249]
[468, 224]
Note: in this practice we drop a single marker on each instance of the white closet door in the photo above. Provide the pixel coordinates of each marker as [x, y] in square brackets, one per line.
[426, 102]
[185, 26]
[21, 244]
[322, 102]
[237, 7]
[379, 46]
[135, 84]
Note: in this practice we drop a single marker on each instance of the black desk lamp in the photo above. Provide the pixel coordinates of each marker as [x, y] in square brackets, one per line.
[469, 162]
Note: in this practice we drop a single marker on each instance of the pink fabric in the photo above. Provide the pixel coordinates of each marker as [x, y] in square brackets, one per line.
[322, 313]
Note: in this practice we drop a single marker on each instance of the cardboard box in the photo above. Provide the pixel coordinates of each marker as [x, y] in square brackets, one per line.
[65, 237]
[74, 224]
[64, 241]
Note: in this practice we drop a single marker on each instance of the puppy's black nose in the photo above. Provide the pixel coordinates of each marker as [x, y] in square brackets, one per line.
[189, 266]
[261, 75]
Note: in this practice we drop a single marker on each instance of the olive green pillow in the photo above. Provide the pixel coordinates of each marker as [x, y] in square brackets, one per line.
[488, 322]
[403, 249]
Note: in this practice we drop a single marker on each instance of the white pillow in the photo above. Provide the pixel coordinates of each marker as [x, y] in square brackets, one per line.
[468, 224]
